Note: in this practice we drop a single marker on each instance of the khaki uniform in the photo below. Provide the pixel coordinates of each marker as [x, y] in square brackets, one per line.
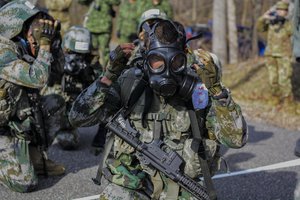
[278, 55]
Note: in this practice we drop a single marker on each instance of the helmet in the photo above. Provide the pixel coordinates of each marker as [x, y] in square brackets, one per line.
[280, 5]
[15, 13]
[77, 39]
[150, 14]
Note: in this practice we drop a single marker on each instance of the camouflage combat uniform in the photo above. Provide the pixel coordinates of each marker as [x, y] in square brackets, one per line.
[278, 55]
[98, 21]
[78, 73]
[127, 21]
[21, 77]
[163, 5]
[59, 9]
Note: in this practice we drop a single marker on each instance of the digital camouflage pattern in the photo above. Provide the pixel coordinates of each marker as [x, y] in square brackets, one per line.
[77, 39]
[21, 12]
[98, 20]
[18, 78]
[98, 102]
[59, 9]
[115, 192]
[163, 5]
[16, 169]
[226, 123]
[278, 55]
[17, 71]
[151, 14]
[127, 21]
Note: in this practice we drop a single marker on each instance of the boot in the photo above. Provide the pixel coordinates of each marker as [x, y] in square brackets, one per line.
[52, 168]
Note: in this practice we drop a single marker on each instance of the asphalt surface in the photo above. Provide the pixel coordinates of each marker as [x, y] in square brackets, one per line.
[267, 145]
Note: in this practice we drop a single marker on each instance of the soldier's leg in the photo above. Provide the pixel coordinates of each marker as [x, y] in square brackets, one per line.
[284, 79]
[272, 67]
[16, 168]
[113, 191]
[57, 123]
[103, 40]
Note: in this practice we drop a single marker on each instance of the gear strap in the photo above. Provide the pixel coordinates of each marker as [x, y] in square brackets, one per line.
[134, 97]
[198, 146]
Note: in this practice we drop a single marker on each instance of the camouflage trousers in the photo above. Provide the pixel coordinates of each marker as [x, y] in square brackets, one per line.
[280, 72]
[100, 42]
[16, 169]
[115, 192]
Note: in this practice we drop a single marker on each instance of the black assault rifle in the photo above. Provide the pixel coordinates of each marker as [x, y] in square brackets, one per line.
[38, 126]
[156, 154]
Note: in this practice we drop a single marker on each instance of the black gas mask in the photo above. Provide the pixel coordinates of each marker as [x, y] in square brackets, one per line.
[74, 63]
[165, 60]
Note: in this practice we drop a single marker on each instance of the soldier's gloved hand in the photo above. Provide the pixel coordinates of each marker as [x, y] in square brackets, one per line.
[118, 60]
[207, 71]
[45, 30]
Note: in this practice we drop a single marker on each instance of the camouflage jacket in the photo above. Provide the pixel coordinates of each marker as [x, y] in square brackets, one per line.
[15, 70]
[98, 102]
[16, 78]
[59, 9]
[279, 42]
[99, 16]
[127, 20]
[164, 6]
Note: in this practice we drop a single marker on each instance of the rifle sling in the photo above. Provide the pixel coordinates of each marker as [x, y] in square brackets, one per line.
[134, 96]
[198, 145]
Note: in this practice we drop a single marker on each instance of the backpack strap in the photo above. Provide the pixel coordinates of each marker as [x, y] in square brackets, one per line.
[129, 105]
[198, 146]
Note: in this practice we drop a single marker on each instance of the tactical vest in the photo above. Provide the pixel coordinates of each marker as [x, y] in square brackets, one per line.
[174, 120]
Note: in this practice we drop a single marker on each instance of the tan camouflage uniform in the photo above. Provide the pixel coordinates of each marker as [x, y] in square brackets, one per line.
[59, 9]
[278, 55]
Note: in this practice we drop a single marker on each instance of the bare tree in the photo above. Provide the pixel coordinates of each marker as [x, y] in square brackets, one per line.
[219, 30]
[232, 32]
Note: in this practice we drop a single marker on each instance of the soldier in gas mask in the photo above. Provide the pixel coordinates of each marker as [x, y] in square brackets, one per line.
[30, 44]
[158, 111]
[79, 71]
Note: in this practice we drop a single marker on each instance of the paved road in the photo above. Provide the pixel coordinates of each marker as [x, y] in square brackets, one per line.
[267, 146]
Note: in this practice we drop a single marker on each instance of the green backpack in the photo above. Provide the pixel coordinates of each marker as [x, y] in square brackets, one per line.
[226, 122]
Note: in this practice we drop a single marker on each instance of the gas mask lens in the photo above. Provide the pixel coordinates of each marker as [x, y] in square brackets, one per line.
[178, 63]
[156, 63]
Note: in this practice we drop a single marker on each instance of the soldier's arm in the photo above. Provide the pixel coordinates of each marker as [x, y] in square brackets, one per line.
[95, 104]
[17, 71]
[262, 24]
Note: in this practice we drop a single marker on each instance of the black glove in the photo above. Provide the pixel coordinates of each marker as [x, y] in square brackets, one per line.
[118, 60]
[44, 30]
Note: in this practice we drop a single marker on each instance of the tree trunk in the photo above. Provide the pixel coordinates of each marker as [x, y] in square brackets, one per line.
[232, 32]
[219, 30]
[256, 15]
